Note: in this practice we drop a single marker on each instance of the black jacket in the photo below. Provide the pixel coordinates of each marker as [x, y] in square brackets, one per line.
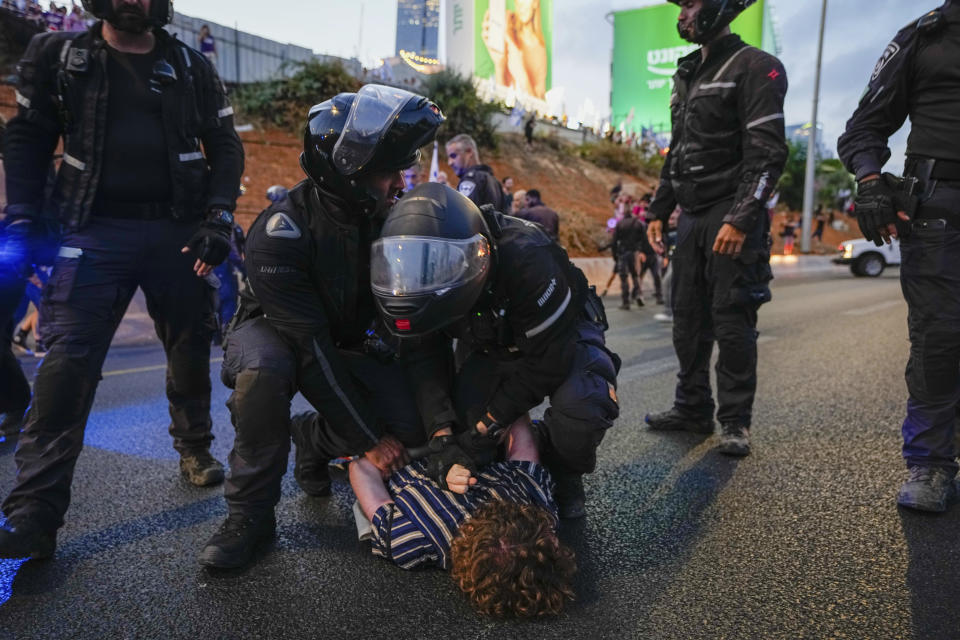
[544, 216]
[629, 235]
[917, 76]
[479, 184]
[62, 91]
[728, 137]
[527, 316]
[308, 263]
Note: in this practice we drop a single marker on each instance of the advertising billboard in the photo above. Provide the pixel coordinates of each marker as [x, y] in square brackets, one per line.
[646, 47]
[513, 41]
[505, 43]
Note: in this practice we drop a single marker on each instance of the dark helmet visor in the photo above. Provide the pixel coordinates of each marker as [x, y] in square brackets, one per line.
[414, 265]
[373, 112]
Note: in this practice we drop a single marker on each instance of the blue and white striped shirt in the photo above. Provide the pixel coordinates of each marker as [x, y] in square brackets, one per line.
[417, 528]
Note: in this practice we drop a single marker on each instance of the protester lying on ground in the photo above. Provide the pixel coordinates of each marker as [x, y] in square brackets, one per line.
[494, 529]
[527, 323]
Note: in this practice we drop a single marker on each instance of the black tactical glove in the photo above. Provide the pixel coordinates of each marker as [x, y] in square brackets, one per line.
[875, 207]
[444, 453]
[211, 243]
[26, 241]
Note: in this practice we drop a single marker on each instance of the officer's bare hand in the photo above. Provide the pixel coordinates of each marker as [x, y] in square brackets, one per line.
[729, 241]
[388, 455]
[459, 479]
[655, 236]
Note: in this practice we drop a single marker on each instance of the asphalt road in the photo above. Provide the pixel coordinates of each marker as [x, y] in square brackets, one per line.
[800, 540]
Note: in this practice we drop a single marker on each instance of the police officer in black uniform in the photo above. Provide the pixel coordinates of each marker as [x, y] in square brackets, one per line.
[726, 155]
[141, 205]
[476, 180]
[307, 322]
[628, 239]
[918, 77]
[527, 324]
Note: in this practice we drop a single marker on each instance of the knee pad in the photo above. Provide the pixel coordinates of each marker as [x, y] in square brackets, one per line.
[260, 407]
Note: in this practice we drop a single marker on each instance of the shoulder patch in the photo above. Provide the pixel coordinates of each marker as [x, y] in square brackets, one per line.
[467, 187]
[888, 54]
[281, 226]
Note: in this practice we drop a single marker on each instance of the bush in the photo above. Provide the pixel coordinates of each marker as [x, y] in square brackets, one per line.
[618, 157]
[285, 102]
[464, 110]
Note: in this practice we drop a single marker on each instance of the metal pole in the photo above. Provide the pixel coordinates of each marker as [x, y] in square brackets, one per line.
[236, 48]
[809, 181]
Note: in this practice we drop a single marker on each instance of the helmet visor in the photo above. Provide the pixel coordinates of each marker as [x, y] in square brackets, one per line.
[374, 111]
[412, 265]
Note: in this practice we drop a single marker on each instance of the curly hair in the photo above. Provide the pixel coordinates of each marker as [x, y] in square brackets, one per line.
[509, 562]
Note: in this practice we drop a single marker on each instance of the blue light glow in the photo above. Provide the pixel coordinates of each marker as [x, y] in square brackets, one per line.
[8, 573]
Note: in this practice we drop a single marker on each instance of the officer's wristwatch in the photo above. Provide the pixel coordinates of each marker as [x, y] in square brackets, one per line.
[222, 216]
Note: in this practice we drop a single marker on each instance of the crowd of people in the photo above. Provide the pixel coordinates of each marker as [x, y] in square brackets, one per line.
[54, 18]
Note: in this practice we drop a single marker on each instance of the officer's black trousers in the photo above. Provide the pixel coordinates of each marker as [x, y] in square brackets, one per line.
[262, 371]
[14, 389]
[930, 279]
[581, 409]
[716, 301]
[627, 269]
[93, 281]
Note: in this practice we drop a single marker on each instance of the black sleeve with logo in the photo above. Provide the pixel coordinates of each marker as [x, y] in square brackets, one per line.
[882, 110]
[542, 310]
[279, 262]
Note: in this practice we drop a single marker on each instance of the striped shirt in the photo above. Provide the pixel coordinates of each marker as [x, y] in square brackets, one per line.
[417, 528]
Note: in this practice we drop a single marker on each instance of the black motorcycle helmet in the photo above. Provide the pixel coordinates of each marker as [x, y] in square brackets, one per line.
[432, 261]
[161, 11]
[354, 134]
[713, 17]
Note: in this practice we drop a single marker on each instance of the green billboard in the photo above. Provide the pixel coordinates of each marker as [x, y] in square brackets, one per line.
[513, 43]
[646, 47]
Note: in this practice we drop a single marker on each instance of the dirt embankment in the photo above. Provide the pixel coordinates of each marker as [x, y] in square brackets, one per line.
[576, 189]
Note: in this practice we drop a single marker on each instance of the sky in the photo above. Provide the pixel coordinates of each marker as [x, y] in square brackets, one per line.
[856, 34]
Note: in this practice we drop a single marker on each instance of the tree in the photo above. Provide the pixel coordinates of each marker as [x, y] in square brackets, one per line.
[464, 110]
[284, 102]
[831, 178]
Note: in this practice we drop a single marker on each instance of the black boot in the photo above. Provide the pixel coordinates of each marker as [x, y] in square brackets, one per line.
[676, 420]
[24, 539]
[310, 469]
[734, 440]
[571, 500]
[201, 468]
[234, 544]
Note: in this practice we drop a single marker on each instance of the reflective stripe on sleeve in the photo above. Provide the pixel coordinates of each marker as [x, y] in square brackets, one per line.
[23, 100]
[188, 157]
[223, 113]
[74, 162]
[718, 85]
[546, 324]
[765, 119]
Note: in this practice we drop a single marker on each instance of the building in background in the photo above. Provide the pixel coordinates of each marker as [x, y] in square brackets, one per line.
[646, 47]
[418, 27]
[799, 134]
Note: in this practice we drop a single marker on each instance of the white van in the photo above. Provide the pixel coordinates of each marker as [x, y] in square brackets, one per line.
[867, 259]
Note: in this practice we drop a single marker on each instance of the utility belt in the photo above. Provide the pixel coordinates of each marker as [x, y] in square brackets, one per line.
[132, 210]
[921, 178]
